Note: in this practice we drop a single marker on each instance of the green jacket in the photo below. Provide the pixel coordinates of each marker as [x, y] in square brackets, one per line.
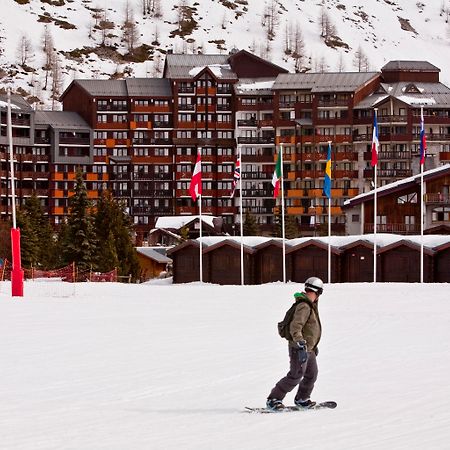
[306, 323]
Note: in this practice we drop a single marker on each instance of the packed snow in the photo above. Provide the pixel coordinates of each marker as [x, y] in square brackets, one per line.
[161, 366]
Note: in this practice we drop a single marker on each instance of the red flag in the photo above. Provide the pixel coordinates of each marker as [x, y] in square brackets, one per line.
[195, 189]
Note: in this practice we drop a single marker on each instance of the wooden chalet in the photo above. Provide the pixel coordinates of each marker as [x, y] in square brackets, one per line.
[357, 262]
[152, 262]
[398, 205]
[442, 263]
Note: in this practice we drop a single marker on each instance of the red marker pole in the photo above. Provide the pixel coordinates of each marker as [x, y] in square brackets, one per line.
[17, 272]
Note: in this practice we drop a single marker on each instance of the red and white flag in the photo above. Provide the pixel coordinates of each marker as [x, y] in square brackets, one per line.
[195, 188]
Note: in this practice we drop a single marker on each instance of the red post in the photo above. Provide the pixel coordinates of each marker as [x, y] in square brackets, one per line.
[17, 271]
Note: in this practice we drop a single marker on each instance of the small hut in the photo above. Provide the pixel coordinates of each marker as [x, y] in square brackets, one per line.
[186, 262]
[310, 259]
[269, 262]
[400, 262]
[357, 262]
[442, 263]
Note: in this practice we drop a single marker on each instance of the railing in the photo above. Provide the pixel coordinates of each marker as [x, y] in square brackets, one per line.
[256, 140]
[186, 89]
[186, 107]
[223, 107]
[400, 228]
[392, 118]
[257, 193]
[247, 123]
[437, 198]
[257, 175]
[333, 103]
[74, 140]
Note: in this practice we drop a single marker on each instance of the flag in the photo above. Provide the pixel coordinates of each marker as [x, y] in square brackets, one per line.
[277, 177]
[236, 176]
[195, 189]
[375, 142]
[327, 181]
[423, 139]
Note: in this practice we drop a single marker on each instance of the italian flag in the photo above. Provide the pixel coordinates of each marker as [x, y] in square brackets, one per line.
[277, 177]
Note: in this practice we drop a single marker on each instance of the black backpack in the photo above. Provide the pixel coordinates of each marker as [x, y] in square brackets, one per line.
[284, 325]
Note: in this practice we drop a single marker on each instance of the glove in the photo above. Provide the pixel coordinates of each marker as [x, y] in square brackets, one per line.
[302, 353]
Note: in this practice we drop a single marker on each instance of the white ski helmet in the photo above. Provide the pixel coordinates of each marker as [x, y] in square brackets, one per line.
[314, 284]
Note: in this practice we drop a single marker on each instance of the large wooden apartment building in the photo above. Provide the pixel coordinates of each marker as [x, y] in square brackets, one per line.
[139, 137]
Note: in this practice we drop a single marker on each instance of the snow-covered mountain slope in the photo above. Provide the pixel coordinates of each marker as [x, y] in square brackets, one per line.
[382, 29]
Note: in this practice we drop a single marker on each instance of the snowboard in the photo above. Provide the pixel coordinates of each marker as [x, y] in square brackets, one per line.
[288, 409]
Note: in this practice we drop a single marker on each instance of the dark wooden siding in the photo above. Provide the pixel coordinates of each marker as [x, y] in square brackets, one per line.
[442, 266]
[225, 266]
[402, 264]
[358, 264]
[313, 262]
[269, 265]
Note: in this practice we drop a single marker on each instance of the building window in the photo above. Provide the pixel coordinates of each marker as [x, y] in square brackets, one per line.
[355, 218]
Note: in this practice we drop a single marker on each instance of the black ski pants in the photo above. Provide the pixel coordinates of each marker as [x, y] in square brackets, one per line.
[304, 375]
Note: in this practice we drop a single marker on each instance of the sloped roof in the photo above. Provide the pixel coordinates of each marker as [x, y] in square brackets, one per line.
[153, 255]
[17, 102]
[148, 87]
[250, 86]
[132, 87]
[429, 94]
[400, 184]
[410, 66]
[61, 119]
[324, 82]
[103, 88]
[182, 66]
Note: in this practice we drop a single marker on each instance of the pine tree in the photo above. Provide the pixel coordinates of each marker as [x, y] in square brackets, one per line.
[79, 241]
[37, 237]
[250, 227]
[114, 229]
[291, 227]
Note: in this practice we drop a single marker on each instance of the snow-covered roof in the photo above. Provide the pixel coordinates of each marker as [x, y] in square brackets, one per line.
[381, 239]
[153, 254]
[383, 190]
[177, 222]
[247, 86]
[217, 69]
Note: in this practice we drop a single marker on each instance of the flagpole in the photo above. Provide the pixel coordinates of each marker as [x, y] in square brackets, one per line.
[375, 206]
[422, 146]
[283, 234]
[329, 229]
[240, 212]
[17, 271]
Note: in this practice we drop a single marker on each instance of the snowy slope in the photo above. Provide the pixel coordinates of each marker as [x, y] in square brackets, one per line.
[113, 366]
[374, 25]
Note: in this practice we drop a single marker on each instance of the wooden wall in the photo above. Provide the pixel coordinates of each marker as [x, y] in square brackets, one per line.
[221, 265]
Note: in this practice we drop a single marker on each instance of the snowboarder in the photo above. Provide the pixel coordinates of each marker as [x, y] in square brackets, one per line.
[305, 330]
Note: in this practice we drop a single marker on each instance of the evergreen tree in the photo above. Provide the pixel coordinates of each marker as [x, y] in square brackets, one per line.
[277, 227]
[250, 227]
[79, 242]
[37, 242]
[291, 227]
[114, 229]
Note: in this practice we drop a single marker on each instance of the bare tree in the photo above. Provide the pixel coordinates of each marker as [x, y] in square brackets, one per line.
[57, 81]
[341, 63]
[24, 50]
[361, 60]
[270, 18]
[299, 48]
[47, 47]
[105, 26]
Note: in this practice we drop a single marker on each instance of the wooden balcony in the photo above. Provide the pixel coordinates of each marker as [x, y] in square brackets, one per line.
[437, 198]
[346, 156]
[399, 228]
[444, 156]
[345, 174]
[314, 156]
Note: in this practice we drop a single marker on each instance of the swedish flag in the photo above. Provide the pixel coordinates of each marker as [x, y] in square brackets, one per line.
[327, 182]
